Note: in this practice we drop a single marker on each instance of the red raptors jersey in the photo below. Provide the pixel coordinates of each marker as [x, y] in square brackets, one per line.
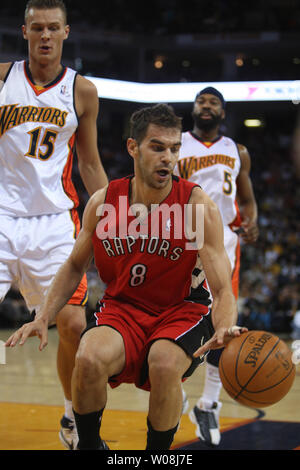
[147, 261]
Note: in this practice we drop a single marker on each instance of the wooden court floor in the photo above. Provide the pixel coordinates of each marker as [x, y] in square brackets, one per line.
[31, 405]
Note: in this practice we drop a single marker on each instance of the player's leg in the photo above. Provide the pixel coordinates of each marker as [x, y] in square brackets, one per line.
[178, 335]
[167, 364]
[206, 412]
[70, 324]
[49, 241]
[8, 256]
[101, 355]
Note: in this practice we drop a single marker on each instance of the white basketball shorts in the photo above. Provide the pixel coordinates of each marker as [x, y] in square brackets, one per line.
[32, 249]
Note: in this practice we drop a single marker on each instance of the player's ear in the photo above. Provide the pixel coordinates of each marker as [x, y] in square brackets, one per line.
[132, 147]
[24, 31]
[67, 31]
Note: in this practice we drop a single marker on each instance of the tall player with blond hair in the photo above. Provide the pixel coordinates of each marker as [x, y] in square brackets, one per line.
[47, 111]
[222, 168]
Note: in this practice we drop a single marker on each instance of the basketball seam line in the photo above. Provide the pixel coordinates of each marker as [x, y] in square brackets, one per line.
[274, 385]
[258, 368]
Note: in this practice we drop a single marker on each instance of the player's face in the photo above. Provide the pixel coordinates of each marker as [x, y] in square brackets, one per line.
[156, 156]
[208, 112]
[45, 31]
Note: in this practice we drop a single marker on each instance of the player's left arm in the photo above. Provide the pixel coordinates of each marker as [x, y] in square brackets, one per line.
[246, 198]
[217, 270]
[89, 162]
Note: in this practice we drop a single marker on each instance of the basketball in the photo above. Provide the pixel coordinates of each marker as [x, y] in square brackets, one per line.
[256, 369]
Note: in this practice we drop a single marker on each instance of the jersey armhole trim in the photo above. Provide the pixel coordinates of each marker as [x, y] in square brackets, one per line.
[106, 194]
[237, 148]
[74, 102]
[8, 72]
[192, 189]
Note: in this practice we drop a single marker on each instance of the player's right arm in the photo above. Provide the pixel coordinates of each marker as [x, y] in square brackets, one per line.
[217, 270]
[4, 68]
[90, 166]
[246, 198]
[67, 278]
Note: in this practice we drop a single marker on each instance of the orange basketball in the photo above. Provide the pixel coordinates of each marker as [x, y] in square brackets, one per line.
[256, 369]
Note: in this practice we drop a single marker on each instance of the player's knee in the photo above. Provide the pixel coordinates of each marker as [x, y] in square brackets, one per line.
[163, 368]
[70, 326]
[88, 369]
[70, 333]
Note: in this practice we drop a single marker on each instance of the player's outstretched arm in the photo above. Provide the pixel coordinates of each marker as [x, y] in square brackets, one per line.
[66, 280]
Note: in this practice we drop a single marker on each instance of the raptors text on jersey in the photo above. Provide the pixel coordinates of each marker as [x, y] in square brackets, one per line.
[151, 271]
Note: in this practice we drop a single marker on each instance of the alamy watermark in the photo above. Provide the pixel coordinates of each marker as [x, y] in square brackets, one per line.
[165, 221]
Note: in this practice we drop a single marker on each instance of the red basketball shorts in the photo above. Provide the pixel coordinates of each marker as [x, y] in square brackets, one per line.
[185, 324]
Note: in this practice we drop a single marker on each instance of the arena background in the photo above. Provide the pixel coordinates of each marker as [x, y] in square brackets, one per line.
[198, 41]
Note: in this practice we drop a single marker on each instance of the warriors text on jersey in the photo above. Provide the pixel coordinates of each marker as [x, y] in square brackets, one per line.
[151, 272]
[215, 167]
[37, 139]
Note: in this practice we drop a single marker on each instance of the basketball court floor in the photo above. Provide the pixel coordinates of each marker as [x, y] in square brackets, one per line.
[31, 405]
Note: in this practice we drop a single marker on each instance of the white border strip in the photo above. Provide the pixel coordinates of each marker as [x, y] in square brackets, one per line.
[288, 90]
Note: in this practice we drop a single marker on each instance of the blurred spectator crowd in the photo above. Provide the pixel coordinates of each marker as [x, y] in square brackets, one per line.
[178, 17]
[270, 269]
[205, 16]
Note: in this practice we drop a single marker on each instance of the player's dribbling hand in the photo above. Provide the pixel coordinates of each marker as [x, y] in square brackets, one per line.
[37, 328]
[220, 339]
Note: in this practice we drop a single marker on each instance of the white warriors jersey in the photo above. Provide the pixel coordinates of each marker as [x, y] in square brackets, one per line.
[215, 167]
[37, 139]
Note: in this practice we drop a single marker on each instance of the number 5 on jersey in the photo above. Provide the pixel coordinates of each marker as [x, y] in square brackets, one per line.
[137, 275]
[227, 186]
[37, 140]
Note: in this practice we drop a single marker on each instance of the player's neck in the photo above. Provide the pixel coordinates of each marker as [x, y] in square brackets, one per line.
[142, 193]
[206, 135]
[43, 74]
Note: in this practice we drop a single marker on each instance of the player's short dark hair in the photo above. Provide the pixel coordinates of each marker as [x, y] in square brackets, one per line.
[162, 115]
[45, 5]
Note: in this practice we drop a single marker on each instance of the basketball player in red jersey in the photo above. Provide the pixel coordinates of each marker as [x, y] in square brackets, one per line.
[221, 167]
[145, 331]
[56, 109]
